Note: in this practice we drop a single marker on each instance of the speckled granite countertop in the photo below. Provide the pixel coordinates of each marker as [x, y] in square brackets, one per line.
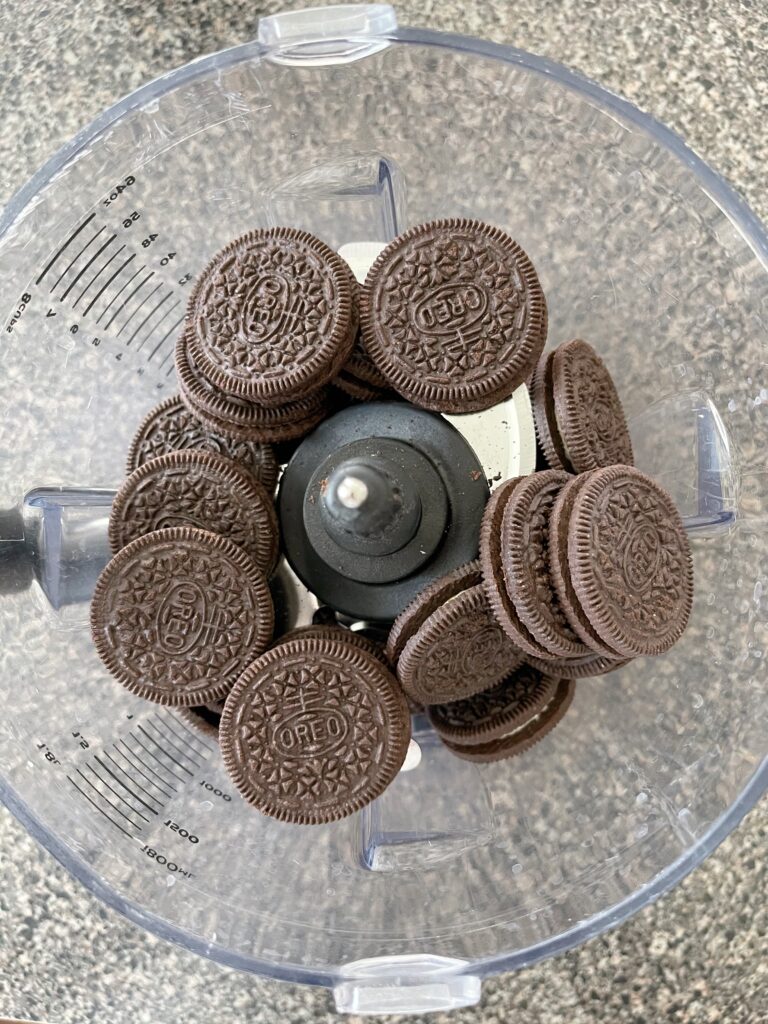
[699, 954]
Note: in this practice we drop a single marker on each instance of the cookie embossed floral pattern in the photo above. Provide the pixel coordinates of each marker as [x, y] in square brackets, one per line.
[267, 309]
[638, 557]
[454, 310]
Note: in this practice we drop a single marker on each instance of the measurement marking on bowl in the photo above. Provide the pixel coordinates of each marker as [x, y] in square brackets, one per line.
[140, 306]
[131, 783]
[131, 301]
[104, 287]
[64, 272]
[168, 792]
[90, 262]
[95, 277]
[63, 248]
[182, 753]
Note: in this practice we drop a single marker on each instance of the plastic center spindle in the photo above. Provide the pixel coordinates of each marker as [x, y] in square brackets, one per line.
[377, 502]
[369, 499]
[375, 510]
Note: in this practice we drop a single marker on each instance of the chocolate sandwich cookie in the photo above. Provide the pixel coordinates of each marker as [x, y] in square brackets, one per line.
[494, 713]
[545, 422]
[526, 563]
[560, 573]
[362, 369]
[429, 600]
[352, 386]
[204, 718]
[314, 730]
[359, 378]
[459, 650]
[521, 739]
[590, 418]
[177, 615]
[587, 667]
[453, 315]
[630, 561]
[320, 631]
[271, 317]
[239, 418]
[494, 581]
[171, 427]
[194, 488]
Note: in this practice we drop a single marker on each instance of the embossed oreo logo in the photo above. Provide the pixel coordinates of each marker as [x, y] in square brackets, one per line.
[642, 556]
[273, 307]
[482, 655]
[184, 619]
[311, 732]
[454, 307]
[601, 415]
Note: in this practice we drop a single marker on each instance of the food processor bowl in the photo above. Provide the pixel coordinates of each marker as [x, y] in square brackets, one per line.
[340, 122]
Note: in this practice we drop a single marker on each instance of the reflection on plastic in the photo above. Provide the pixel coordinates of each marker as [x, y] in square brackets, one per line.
[419, 983]
[426, 817]
[59, 539]
[682, 442]
[327, 35]
[356, 198]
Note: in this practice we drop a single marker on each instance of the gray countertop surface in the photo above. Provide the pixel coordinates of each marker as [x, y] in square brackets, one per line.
[697, 955]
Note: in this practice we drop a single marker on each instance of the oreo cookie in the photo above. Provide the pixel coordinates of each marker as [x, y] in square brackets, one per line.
[494, 578]
[172, 427]
[559, 529]
[630, 562]
[272, 316]
[494, 713]
[453, 315]
[204, 718]
[588, 410]
[238, 418]
[545, 422]
[429, 600]
[193, 488]
[322, 631]
[521, 739]
[580, 422]
[359, 378]
[459, 650]
[588, 667]
[526, 564]
[314, 730]
[177, 615]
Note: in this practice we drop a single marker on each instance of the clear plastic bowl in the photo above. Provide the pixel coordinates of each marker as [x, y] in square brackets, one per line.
[341, 123]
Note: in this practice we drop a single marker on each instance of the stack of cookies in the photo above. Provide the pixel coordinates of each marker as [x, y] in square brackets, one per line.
[582, 566]
[577, 575]
[272, 320]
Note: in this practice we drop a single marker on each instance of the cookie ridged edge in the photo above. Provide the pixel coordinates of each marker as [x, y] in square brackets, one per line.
[391, 695]
[517, 514]
[494, 582]
[528, 736]
[214, 542]
[428, 600]
[503, 721]
[473, 397]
